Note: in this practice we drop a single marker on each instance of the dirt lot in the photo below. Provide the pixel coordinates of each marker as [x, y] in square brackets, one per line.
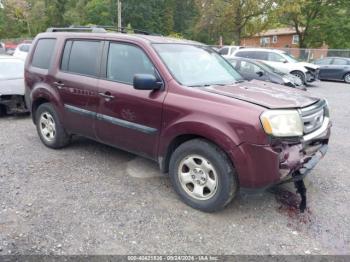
[93, 199]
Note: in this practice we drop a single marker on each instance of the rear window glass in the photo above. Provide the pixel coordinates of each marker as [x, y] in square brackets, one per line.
[81, 57]
[43, 53]
[224, 51]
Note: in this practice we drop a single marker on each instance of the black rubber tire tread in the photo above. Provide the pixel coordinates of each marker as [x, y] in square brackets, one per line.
[300, 75]
[62, 138]
[227, 184]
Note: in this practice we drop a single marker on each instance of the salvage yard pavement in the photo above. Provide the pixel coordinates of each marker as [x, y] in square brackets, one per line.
[93, 199]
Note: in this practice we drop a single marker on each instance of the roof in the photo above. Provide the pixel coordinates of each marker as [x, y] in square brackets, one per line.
[277, 31]
[145, 38]
[262, 49]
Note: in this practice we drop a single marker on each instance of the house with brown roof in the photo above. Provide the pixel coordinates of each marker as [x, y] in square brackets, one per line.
[273, 38]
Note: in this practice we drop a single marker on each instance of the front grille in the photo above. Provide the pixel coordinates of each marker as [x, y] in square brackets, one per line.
[313, 116]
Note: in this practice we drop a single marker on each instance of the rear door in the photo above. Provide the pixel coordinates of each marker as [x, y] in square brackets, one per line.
[128, 118]
[338, 68]
[76, 81]
[325, 67]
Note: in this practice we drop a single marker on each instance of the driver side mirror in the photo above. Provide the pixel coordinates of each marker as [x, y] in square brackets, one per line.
[260, 73]
[285, 61]
[147, 82]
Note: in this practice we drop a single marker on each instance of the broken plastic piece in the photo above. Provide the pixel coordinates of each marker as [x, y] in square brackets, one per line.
[301, 189]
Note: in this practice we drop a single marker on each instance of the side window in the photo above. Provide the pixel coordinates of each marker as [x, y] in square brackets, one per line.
[81, 57]
[224, 51]
[234, 63]
[24, 48]
[325, 61]
[338, 61]
[249, 68]
[275, 57]
[260, 55]
[124, 61]
[245, 54]
[43, 53]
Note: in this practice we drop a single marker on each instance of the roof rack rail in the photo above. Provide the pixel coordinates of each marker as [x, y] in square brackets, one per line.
[92, 29]
[99, 29]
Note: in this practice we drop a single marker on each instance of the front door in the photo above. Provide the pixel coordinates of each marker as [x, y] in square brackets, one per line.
[128, 118]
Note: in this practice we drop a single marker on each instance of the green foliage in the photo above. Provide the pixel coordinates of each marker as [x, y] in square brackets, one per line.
[317, 21]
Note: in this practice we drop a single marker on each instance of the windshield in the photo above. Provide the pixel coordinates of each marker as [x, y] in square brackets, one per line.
[269, 68]
[194, 65]
[11, 69]
[290, 58]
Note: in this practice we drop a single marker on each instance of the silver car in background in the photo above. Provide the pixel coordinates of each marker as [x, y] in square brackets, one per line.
[11, 85]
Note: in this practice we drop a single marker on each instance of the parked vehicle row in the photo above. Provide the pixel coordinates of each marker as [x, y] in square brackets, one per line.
[17, 50]
[284, 62]
[176, 102]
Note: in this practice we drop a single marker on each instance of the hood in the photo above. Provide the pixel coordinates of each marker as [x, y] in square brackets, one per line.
[265, 94]
[12, 87]
[312, 66]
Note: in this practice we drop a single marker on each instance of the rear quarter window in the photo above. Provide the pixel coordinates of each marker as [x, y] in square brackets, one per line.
[43, 53]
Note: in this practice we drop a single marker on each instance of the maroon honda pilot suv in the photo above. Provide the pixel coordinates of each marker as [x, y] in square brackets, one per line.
[178, 103]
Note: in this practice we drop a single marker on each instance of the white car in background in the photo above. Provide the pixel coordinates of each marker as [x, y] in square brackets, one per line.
[22, 51]
[11, 85]
[283, 61]
[228, 51]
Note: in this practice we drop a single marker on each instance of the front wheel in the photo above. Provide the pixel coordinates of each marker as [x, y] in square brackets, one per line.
[49, 127]
[203, 176]
[300, 75]
[347, 78]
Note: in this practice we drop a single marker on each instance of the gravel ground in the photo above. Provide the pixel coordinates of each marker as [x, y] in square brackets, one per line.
[92, 199]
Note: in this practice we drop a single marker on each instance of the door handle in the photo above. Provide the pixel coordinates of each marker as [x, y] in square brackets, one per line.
[108, 96]
[58, 84]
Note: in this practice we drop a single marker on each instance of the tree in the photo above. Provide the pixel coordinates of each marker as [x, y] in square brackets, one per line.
[313, 19]
[232, 16]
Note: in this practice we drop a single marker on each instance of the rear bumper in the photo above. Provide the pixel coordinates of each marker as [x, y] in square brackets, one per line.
[260, 167]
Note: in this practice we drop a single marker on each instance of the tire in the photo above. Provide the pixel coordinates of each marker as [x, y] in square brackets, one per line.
[54, 136]
[198, 160]
[347, 78]
[2, 110]
[300, 75]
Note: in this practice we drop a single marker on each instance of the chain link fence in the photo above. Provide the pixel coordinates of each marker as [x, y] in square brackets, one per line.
[312, 54]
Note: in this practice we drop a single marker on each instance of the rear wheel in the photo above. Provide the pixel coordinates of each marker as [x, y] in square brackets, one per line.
[202, 175]
[49, 127]
[347, 78]
[299, 75]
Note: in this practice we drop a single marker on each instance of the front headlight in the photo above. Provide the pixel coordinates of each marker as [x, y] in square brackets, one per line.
[282, 123]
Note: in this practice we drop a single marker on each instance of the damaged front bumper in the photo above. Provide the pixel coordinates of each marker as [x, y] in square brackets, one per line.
[297, 160]
[14, 104]
[285, 160]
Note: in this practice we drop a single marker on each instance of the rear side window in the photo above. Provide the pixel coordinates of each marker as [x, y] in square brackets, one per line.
[43, 53]
[338, 61]
[81, 57]
[124, 61]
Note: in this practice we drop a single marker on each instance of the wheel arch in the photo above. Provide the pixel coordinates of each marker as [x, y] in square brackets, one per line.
[221, 141]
